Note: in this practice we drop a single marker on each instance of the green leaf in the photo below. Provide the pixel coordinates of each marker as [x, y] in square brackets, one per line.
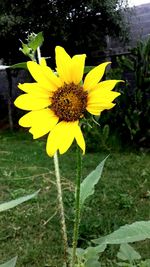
[26, 50]
[87, 69]
[92, 255]
[92, 263]
[36, 41]
[22, 65]
[88, 184]
[10, 263]
[136, 231]
[123, 264]
[145, 263]
[106, 132]
[91, 252]
[13, 203]
[79, 252]
[128, 253]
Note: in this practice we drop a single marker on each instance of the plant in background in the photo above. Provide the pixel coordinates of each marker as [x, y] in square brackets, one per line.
[97, 136]
[130, 257]
[60, 102]
[133, 105]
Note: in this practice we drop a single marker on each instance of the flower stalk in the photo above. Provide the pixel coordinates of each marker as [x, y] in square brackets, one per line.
[77, 206]
[61, 209]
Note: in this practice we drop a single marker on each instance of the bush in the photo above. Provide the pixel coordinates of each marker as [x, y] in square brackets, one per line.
[131, 118]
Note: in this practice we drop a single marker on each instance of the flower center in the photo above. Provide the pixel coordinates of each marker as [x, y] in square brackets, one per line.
[69, 102]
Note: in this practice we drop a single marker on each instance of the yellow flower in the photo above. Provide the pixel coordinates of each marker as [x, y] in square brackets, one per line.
[58, 101]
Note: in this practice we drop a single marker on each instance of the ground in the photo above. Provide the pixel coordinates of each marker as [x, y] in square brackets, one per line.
[32, 230]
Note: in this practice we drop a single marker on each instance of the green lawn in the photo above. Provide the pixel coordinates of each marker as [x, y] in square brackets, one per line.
[32, 229]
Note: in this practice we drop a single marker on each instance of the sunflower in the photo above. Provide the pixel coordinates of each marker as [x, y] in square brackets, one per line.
[58, 101]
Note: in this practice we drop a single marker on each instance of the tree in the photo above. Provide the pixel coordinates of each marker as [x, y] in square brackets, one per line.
[81, 26]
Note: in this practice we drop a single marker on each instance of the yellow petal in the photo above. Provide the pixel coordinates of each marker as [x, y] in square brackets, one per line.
[35, 117]
[34, 89]
[63, 64]
[94, 111]
[69, 134]
[97, 109]
[52, 77]
[108, 84]
[40, 121]
[30, 102]
[103, 96]
[43, 123]
[78, 63]
[94, 76]
[61, 137]
[27, 119]
[38, 74]
[50, 74]
[80, 139]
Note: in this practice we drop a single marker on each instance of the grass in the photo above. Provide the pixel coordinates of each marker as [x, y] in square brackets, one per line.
[32, 230]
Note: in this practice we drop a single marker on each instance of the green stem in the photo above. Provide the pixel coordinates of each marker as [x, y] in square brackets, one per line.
[77, 206]
[61, 209]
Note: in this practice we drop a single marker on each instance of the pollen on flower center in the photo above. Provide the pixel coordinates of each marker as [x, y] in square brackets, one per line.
[69, 102]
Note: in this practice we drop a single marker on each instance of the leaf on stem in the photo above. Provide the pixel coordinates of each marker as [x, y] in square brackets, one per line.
[128, 233]
[10, 263]
[13, 203]
[21, 65]
[128, 253]
[88, 184]
[36, 41]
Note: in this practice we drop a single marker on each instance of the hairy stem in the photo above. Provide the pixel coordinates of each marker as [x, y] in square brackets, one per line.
[61, 209]
[77, 206]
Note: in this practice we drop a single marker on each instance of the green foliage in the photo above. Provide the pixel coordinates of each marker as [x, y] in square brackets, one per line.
[34, 41]
[105, 132]
[93, 19]
[10, 263]
[13, 203]
[124, 201]
[9, 205]
[134, 232]
[88, 257]
[137, 231]
[87, 69]
[22, 65]
[128, 253]
[97, 136]
[88, 184]
[131, 117]
[130, 257]
[129, 233]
